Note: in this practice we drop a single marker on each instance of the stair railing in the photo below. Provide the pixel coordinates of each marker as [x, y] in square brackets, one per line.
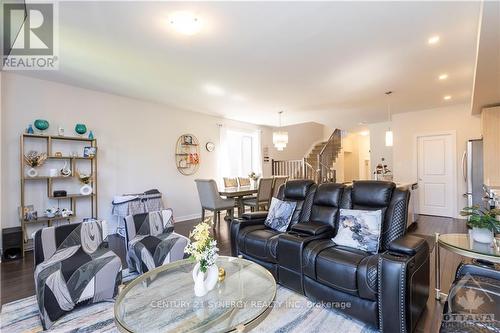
[327, 157]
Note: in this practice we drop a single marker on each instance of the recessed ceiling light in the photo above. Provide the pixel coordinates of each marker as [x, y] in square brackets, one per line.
[443, 76]
[447, 97]
[364, 133]
[185, 23]
[433, 40]
[212, 89]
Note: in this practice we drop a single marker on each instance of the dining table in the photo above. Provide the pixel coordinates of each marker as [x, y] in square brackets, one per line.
[238, 193]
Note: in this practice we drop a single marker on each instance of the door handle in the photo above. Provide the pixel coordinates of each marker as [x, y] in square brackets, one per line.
[464, 166]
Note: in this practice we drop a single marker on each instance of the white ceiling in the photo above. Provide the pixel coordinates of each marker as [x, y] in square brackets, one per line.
[329, 62]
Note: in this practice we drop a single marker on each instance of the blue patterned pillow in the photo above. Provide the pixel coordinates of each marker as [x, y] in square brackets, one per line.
[359, 229]
[280, 214]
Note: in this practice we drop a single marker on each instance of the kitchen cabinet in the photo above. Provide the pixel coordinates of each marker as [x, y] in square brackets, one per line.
[490, 126]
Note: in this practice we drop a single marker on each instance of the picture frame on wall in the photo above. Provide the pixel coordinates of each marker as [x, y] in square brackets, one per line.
[89, 152]
[188, 140]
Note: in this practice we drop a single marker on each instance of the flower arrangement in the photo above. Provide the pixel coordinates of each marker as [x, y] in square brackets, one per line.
[482, 218]
[35, 159]
[202, 248]
[252, 175]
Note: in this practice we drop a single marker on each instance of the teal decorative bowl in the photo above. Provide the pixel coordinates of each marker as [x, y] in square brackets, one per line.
[41, 124]
[81, 129]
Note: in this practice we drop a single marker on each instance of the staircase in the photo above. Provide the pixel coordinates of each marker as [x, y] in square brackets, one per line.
[318, 165]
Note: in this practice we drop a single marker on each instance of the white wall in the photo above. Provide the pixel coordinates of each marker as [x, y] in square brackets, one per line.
[136, 141]
[407, 126]
[378, 149]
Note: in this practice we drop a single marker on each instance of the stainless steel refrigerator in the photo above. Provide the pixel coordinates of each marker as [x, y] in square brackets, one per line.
[472, 171]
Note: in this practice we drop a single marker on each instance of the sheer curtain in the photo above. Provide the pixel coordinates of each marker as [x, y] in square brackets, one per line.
[239, 153]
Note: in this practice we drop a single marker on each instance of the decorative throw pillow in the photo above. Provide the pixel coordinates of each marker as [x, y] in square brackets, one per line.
[359, 229]
[280, 214]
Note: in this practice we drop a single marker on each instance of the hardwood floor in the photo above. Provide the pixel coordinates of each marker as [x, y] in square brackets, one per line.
[17, 276]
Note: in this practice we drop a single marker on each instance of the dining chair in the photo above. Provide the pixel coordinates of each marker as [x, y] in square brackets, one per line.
[243, 181]
[211, 200]
[263, 195]
[278, 181]
[230, 182]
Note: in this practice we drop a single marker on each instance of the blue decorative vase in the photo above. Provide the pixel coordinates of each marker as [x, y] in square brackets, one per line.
[81, 129]
[41, 124]
[91, 135]
[30, 129]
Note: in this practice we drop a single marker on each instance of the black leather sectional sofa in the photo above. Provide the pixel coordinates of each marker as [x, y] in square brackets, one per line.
[387, 290]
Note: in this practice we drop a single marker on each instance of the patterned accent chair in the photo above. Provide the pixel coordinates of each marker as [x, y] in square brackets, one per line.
[73, 265]
[152, 241]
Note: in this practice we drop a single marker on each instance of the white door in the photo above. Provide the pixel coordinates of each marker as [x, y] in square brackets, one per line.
[436, 174]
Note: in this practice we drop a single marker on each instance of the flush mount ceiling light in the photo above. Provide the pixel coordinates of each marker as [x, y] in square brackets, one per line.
[447, 97]
[433, 40]
[443, 76]
[364, 133]
[389, 138]
[280, 137]
[185, 23]
[214, 90]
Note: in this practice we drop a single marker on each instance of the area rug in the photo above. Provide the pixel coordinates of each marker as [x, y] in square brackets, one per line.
[291, 313]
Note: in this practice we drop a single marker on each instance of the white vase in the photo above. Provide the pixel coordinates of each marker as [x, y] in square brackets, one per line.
[204, 282]
[32, 172]
[86, 190]
[482, 235]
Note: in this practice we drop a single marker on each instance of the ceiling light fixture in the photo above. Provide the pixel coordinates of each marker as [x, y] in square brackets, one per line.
[433, 40]
[447, 97]
[280, 137]
[443, 76]
[389, 138]
[214, 90]
[185, 23]
[364, 133]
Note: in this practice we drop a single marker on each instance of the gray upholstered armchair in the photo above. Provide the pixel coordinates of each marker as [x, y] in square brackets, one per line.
[73, 265]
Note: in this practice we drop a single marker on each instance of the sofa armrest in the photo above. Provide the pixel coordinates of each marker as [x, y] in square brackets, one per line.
[237, 225]
[312, 228]
[478, 269]
[260, 215]
[407, 245]
[403, 283]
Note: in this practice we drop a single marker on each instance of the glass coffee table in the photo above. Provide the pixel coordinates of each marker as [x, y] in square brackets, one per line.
[464, 245]
[163, 299]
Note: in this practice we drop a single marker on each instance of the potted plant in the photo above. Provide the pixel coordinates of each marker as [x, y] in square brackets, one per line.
[203, 249]
[483, 223]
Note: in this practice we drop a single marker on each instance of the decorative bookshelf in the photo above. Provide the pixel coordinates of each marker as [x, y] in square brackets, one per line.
[187, 154]
[26, 181]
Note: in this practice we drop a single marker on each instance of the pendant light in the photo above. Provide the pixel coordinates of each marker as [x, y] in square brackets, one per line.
[280, 137]
[389, 138]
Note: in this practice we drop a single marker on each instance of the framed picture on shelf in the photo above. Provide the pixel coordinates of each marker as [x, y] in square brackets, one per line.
[28, 213]
[188, 140]
[89, 151]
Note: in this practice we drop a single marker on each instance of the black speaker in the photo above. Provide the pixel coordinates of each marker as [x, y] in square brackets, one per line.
[12, 241]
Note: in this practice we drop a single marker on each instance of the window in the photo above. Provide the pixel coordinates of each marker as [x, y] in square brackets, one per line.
[240, 153]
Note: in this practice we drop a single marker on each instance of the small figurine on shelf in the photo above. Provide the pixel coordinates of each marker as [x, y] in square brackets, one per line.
[30, 129]
[60, 131]
[91, 135]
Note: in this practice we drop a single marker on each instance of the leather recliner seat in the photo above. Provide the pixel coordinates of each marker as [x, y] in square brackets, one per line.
[259, 243]
[387, 290]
